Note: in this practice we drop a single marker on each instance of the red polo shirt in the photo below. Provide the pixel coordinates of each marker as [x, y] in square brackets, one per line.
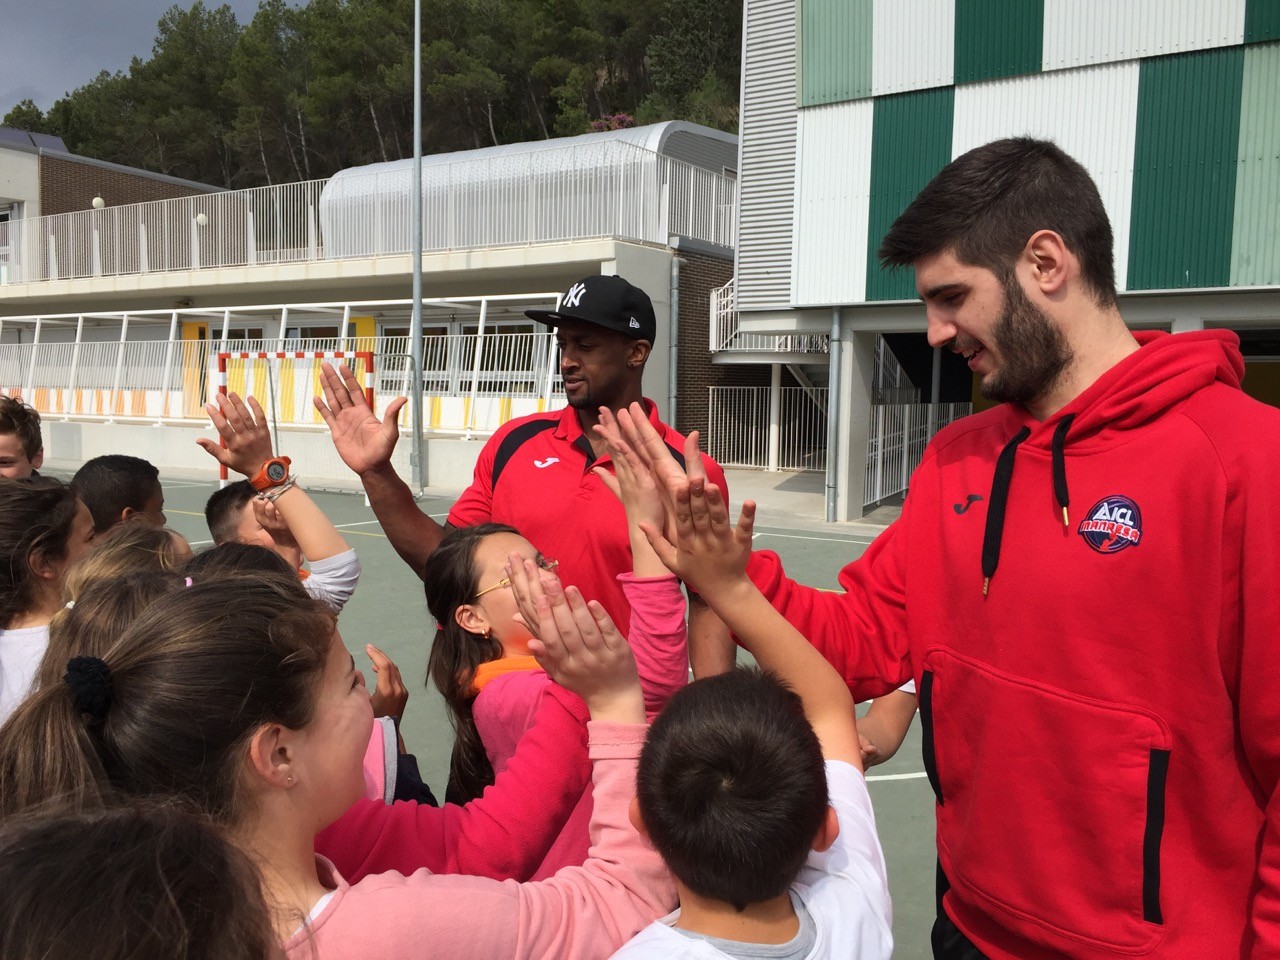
[545, 489]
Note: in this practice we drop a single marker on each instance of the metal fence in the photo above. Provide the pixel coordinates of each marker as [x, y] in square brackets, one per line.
[471, 383]
[727, 337]
[741, 432]
[898, 435]
[538, 197]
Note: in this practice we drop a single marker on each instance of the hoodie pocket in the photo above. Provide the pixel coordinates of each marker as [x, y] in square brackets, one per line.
[1050, 805]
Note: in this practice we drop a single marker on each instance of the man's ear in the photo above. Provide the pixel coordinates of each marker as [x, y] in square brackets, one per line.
[827, 832]
[271, 759]
[637, 821]
[1050, 261]
[637, 353]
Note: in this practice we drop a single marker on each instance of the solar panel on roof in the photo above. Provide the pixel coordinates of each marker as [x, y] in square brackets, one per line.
[49, 142]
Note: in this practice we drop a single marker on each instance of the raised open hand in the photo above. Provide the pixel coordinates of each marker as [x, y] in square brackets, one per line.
[246, 438]
[362, 440]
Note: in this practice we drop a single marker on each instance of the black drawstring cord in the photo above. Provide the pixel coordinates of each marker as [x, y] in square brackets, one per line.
[996, 507]
[1060, 466]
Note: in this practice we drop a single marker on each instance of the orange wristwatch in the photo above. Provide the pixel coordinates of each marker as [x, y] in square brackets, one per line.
[273, 473]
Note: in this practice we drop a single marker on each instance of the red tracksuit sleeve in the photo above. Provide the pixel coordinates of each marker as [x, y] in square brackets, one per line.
[1259, 704]
[862, 631]
[503, 834]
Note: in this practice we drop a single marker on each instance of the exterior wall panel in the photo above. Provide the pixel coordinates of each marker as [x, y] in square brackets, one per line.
[1080, 32]
[912, 142]
[914, 45]
[832, 192]
[1089, 113]
[1185, 159]
[1255, 242]
[1261, 21]
[836, 44]
[767, 169]
[998, 38]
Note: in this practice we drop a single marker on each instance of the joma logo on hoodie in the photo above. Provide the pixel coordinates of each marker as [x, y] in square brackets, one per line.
[1112, 524]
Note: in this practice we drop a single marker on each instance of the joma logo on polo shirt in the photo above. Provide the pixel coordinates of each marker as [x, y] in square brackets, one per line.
[543, 464]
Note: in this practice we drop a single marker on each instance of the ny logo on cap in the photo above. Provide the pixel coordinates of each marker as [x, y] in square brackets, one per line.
[574, 296]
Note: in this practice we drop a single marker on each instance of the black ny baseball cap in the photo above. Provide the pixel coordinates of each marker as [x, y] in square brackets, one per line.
[608, 302]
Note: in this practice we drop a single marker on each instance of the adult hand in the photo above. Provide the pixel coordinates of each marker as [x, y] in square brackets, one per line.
[581, 649]
[362, 440]
[244, 432]
[390, 695]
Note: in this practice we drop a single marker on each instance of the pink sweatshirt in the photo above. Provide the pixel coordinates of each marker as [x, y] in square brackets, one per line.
[504, 709]
[583, 913]
[505, 833]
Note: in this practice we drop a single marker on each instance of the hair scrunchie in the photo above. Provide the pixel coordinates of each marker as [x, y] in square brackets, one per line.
[90, 680]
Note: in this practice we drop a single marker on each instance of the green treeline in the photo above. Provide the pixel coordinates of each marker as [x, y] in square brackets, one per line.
[301, 92]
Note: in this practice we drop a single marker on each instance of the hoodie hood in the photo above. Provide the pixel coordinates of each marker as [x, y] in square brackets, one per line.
[1165, 370]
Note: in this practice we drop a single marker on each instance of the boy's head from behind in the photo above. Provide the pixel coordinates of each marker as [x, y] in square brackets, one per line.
[731, 787]
[229, 514]
[21, 446]
[116, 487]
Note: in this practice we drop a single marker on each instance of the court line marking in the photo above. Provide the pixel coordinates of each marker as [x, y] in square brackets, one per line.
[852, 538]
[897, 776]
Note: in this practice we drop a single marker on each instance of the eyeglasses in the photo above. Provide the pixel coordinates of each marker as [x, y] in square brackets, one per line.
[544, 563]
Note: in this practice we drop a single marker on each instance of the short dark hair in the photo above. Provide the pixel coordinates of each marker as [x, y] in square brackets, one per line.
[985, 205]
[112, 483]
[732, 786]
[234, 558]
[22, 420]
[135, 882]
[222, 510]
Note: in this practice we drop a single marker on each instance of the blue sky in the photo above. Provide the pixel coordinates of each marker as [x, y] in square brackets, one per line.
[53, 46]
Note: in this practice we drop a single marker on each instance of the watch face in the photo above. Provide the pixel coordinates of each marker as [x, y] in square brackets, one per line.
[276, 472]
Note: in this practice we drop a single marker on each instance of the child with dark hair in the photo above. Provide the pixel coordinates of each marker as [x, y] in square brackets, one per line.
[116, 487]
[750, 783]
[136, 883]
[21, 446]
[44, 530]
[240, 696]
[270, 508]
[480, 660]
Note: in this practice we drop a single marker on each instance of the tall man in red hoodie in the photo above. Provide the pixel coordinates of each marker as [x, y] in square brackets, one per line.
[1095, 639]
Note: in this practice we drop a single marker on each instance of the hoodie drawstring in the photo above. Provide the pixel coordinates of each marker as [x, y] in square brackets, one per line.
[1000, 493]
[1060, 466]
[995, 510]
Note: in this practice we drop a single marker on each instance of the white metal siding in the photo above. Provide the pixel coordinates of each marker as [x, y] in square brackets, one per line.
[913, 45]
[1090, 113]
[1080, 32]
[768, 133]
[833, 198]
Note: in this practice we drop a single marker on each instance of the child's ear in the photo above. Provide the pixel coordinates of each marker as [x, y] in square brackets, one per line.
[828, 832]
[637, 821]
[39, 562]
[271, 757]
[38, 460]
[470, 619]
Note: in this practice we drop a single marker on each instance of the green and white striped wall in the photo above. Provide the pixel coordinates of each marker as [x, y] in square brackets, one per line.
[1185, 147]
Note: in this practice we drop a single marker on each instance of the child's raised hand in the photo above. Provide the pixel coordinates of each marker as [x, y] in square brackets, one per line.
[390, 695]
[707, 552]
[580, 648]
[244, 433]
[631, 480]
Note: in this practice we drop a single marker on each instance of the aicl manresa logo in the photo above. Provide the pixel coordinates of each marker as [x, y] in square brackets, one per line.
[1112, 524]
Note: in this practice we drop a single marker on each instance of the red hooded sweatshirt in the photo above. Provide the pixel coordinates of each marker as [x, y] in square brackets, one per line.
[1102, 727]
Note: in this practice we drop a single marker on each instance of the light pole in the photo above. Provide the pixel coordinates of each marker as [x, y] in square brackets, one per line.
[416, 462]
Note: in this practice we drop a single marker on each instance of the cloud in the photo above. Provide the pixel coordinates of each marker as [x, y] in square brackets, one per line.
[71, 41]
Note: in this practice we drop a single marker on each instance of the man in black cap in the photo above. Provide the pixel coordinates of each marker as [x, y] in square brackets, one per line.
[535, 473]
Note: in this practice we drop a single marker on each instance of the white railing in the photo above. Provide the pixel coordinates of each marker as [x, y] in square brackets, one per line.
[896, 441]
[471, 384]
[739, 430]
[545, 196]
[726, 337]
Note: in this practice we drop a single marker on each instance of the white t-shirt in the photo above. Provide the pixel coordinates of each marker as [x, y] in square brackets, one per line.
[20, 655]
[334, 579]
[844, 888]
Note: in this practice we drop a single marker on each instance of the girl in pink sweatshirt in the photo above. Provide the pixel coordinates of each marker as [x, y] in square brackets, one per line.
[240, 696]
[481, 665]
